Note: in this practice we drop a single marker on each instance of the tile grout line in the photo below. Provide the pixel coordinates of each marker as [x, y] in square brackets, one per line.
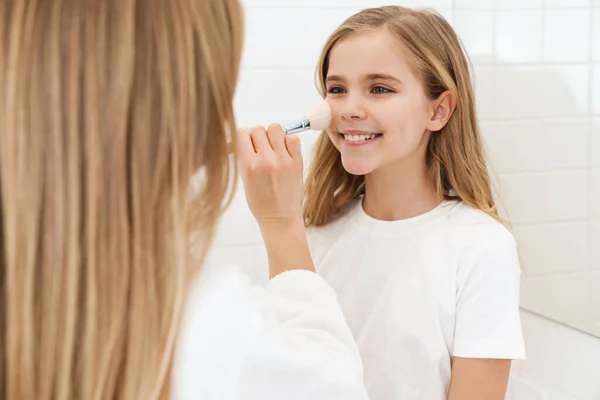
[590, 153]
[501, 65]
[543, 71]
[276, 6]
[546, 171]
[566, 221]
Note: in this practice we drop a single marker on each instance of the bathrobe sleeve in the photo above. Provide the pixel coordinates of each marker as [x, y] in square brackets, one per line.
[287, 340]
[304, 349]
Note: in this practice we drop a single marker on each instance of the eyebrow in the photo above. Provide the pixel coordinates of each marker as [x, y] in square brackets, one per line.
[368, 77]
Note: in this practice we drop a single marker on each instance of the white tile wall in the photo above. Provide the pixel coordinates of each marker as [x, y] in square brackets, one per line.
[537, 83]
[476, 29]
[474, 3]
[566, 3]
[594, 239]
[553, 248]
[596, 34]
[266, 26]
[571, 286]
[566, 90]
[595, 143]
[595, 294]
[520, 195]
[514, 146]
[518, 4]
[518, 36]
[567, 35]
[565, 195]
[560, 151]
[484, 82]
[518, 92]
[562, 363]
[595, 193]
[596, 89]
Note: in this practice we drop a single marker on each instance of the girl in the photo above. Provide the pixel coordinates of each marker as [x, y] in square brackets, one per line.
[107, 109]
[402, 220]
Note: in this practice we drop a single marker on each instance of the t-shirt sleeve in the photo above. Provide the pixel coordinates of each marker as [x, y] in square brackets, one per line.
[488, 323]
[305, 349]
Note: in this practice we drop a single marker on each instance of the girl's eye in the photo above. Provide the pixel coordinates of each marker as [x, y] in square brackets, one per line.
[335, 90]
[380, 90]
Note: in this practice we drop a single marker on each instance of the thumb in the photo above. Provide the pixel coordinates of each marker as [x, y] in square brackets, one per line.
[294, 148]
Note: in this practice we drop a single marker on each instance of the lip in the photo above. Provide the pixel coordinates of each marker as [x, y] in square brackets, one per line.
[356, 132]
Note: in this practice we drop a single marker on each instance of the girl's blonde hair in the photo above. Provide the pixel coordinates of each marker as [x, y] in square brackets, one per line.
[454, 155]
[107, 109]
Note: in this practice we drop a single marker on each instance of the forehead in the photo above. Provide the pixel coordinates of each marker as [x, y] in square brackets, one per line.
[367, 53]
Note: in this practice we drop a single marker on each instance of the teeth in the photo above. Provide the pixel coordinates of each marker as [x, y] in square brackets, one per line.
[358, 138]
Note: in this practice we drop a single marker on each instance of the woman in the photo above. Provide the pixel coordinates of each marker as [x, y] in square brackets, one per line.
[107, 109]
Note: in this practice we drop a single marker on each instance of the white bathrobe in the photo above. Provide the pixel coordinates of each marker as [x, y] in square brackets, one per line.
[285, 341]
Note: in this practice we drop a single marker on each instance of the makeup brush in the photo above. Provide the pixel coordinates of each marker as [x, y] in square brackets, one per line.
[317, 120]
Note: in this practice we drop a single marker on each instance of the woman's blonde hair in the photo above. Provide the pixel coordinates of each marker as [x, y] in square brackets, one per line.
[454, 155]
[107, 109]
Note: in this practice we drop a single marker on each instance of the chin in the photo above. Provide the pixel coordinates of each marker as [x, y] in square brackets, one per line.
[357, 167]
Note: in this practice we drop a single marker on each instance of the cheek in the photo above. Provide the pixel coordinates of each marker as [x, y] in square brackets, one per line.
[403, 116]
[335, 138]
[391, 116]
[335, 106]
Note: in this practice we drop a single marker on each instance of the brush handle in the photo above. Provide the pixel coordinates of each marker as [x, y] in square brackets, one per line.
[298, 126]
[291, 128]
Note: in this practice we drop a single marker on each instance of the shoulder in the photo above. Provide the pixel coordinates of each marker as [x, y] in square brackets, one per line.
[476, 232]
[484, 249]
[487, 250]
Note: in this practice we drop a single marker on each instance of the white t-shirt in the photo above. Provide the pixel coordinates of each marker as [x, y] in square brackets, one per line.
[417, 292]
[288, 340]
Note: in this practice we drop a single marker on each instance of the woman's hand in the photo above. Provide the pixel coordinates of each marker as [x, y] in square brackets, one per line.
[271, 167]
[272, 173]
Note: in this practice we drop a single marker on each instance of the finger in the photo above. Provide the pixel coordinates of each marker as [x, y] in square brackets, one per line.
[260, 140]
[245, 146]
[293, 146]
[276, 139]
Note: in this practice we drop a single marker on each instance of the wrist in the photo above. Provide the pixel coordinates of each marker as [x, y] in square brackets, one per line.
[286, 225]
[287, 245]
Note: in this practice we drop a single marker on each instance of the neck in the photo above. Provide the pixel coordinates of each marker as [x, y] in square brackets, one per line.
[398, 192]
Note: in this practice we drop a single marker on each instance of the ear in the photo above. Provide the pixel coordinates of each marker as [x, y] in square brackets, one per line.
[443, 107]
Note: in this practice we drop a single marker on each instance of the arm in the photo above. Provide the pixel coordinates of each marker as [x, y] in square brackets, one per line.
[475, 379]
[488, 329]
[287, 246]
[304, 348]
[272, 173]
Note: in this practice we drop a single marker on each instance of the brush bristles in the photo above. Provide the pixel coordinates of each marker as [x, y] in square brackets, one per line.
[320, 118]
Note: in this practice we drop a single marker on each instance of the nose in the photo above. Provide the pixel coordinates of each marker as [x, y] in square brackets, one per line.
[352, 108]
